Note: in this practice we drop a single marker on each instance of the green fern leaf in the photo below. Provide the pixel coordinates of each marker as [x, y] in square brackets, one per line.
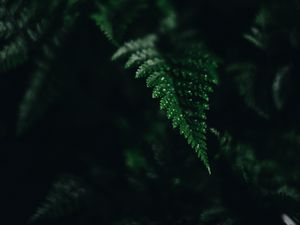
[182, 81]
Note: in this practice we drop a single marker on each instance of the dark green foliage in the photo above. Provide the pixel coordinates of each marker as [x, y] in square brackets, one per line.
[67, 196]
[23, 26]
[250, 169]
[225, 73]
[14, 20]
[47, 80]
[271, 192]
[29, 28]
[245, 78]
[181, 79]
[114, 17]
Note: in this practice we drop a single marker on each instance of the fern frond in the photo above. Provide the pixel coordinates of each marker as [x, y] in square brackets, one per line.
[16, 50]
[23, 28]
[114, 16]
[67, 196]
[134, 46]
[182, 81]
[18, 29]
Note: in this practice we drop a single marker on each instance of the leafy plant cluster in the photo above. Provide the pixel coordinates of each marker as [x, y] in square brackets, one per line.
[231, 93]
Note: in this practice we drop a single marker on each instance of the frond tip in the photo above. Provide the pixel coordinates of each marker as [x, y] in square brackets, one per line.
[182, 80]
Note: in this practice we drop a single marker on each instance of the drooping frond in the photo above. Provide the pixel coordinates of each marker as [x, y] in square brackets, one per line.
[182, 80]
[67, 195]
[114, 16]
